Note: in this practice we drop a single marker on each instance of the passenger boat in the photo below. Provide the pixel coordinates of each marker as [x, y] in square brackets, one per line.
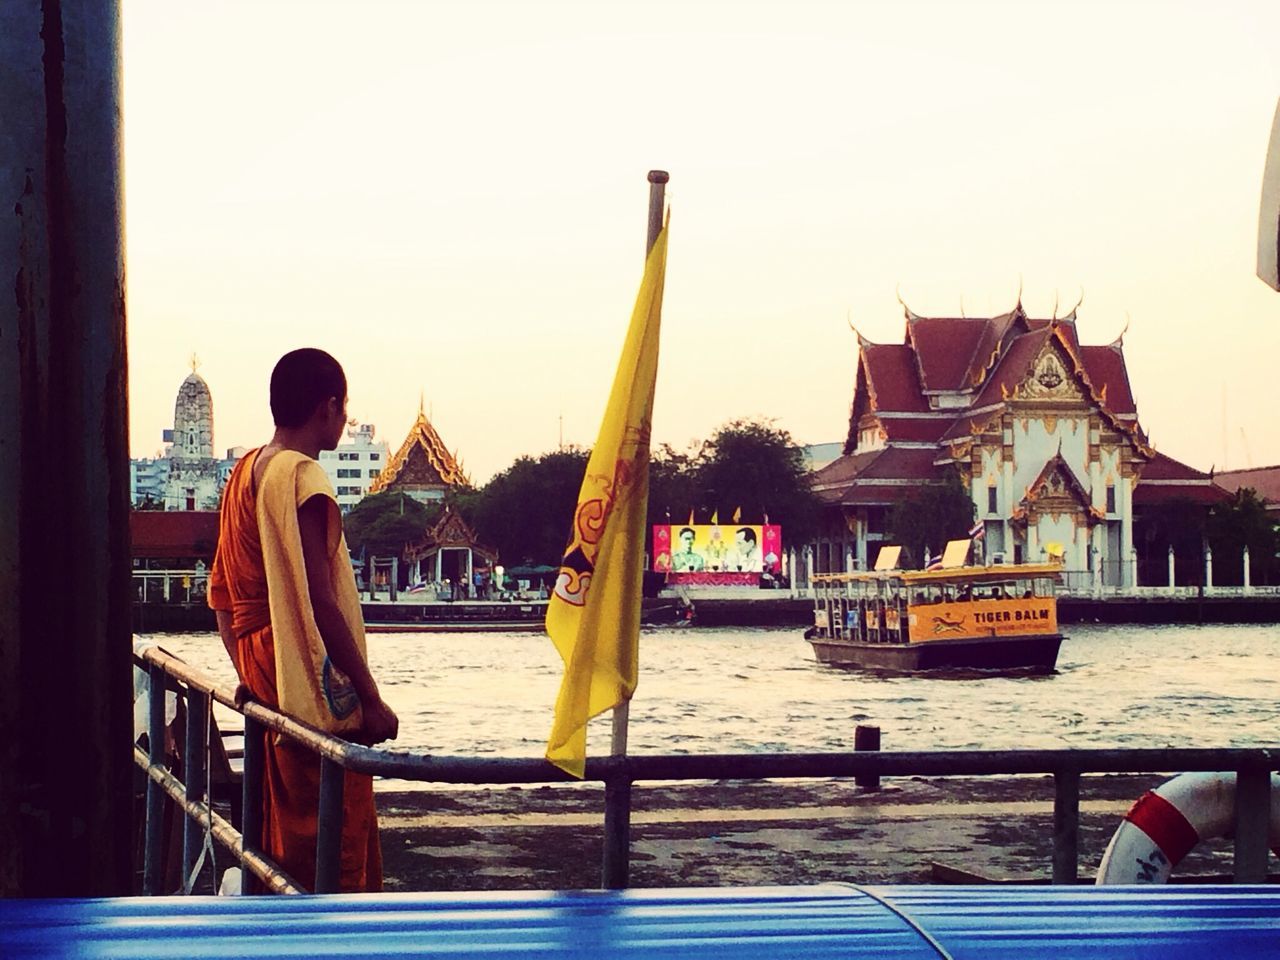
[1001, 617]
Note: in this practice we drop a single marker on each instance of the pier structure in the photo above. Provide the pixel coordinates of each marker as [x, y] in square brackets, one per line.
[1042, 431]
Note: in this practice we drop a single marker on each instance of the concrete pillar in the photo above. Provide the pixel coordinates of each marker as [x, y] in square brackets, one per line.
[1208, 568]
[1247, 584]
[1172, 570]
[791, 568]
[66, 731]
[1033, 544]
[850, 562]
[1124, 496]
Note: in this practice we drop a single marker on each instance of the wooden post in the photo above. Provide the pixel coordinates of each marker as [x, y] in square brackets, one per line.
[66, 759]
[1066, 826]
[866, 737]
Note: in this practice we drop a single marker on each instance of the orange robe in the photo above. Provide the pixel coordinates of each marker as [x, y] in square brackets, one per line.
[291, 778]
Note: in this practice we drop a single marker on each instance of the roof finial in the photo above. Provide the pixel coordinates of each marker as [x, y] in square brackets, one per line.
[422, 402]
[1055, 304]
[911, 315]
[1018, 306]
[1118, 342]
[962, 316]
[194, 361]
[862, 341]
[1072, 314]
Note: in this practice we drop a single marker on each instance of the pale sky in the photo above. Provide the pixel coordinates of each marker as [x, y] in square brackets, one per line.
[451, 198]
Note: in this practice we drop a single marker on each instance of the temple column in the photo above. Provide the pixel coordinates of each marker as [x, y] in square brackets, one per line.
[1247, 585]
[1033, 543]
[1128, 574]
[1172, 570]
[1208, 568]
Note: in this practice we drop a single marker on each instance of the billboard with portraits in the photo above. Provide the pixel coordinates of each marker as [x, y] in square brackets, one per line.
[717, 548]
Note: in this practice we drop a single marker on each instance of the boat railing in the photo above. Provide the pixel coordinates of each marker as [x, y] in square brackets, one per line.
[192, 795]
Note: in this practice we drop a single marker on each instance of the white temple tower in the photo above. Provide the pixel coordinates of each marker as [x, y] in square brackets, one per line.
[193, 472]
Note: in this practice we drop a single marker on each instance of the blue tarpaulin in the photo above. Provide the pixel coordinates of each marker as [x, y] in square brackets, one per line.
[777, 923]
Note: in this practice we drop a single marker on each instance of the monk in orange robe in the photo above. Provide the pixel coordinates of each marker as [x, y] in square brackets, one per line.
[289, 615]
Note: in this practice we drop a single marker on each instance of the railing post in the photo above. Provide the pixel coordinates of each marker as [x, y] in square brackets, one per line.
[615, 873]
[153, 845]
[866, 737]
[1253, 815]
[194, 775]
[329, 827]
[1066, 826]
[251, 799]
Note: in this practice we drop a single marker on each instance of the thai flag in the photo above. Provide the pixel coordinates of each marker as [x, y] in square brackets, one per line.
[935, 563]
[978, 530]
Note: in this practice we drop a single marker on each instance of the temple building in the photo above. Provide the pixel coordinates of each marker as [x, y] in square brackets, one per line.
[1042, 430]
[194, 474]
[423, 467]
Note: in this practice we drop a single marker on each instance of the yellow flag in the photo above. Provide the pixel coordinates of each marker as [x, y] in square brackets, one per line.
[737, 514]
[593, 616]
[715, 517]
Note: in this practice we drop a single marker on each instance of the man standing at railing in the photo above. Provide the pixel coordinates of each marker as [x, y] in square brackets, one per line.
[289, 615]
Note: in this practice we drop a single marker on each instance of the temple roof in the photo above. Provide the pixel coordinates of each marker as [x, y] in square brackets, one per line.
[422, 461]
[953, 377]
[1165, 479]
[1264, 480]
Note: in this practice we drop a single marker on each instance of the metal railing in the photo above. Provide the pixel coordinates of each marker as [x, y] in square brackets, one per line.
[170, 586]
[1252, 766]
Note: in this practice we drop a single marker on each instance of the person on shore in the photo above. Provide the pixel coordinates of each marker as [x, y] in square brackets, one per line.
[289, 615]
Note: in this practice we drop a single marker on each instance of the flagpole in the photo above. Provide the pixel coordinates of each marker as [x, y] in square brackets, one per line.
[616, 868]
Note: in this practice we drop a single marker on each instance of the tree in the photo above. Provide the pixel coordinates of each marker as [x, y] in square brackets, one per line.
[930, 515]
[673, 492]
[755, 466]
[526, 511]
[382, 524]
[1235, 524]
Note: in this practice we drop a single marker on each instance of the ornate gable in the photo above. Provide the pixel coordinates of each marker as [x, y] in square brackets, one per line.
[419, 470]
[452, 531]
[1057, 491]
[423, 461]
[1051, 377]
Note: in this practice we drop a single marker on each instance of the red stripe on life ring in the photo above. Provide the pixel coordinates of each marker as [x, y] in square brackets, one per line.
[1164, 823]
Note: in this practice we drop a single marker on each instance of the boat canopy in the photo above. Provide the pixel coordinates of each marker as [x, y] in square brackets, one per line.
[999, 573]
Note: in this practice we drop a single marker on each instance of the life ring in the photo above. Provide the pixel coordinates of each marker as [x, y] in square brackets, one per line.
[1164, 825]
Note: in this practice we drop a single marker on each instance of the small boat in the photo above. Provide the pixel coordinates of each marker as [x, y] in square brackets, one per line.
[1002, 617]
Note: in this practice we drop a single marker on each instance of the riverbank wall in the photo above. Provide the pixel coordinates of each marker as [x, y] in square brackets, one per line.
[768, 610]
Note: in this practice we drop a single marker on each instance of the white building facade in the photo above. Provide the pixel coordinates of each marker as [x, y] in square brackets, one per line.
[355, 465]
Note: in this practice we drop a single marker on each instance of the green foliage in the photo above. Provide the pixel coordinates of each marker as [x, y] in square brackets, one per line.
[929, 516]
[747, 464]
[381, 525]
[526, 511]
[1235, 524]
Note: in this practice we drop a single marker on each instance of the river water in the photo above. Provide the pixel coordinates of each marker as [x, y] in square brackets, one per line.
[743, 690]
